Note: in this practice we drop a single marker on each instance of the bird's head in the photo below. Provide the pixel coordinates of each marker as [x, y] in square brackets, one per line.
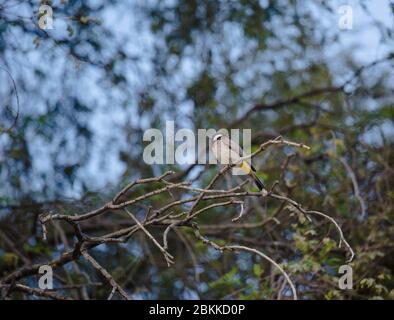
[217, 137]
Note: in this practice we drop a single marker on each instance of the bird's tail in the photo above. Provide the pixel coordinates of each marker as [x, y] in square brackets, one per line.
[252, 173]
[257, 181]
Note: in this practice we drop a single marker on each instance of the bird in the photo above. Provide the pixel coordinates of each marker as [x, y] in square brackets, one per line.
[227, 151]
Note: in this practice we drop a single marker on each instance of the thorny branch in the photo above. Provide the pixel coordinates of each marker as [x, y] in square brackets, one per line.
[205, 199]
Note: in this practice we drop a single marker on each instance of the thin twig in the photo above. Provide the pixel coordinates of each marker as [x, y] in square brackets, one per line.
[307, 212]
[244, 248]
[106, 274]
[169, 258]
[355, 187]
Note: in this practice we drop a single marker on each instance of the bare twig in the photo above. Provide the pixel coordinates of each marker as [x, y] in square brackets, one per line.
[169, 258]
[355, 187]
[106, 275]
[38, 292]
[244, 248]
[307, 212]
[241, 213]
[170, 215]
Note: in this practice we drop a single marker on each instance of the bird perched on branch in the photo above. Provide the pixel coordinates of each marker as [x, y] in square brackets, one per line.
[227, 151]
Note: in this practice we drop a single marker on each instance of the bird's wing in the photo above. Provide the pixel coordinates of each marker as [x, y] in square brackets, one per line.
[237, 149]
[233, 146]
[216, 150]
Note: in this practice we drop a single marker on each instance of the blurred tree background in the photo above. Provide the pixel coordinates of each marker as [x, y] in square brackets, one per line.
[109, 70]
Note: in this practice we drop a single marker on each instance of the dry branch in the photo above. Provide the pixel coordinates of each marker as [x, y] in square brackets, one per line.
[169, 216]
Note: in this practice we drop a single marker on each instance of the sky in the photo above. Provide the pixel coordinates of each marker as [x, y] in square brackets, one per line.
[362, 41]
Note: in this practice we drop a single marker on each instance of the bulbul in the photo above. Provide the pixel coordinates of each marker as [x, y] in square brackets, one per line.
[227, 151]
